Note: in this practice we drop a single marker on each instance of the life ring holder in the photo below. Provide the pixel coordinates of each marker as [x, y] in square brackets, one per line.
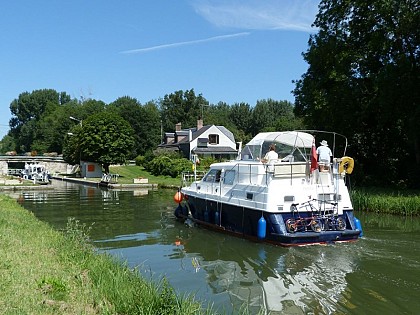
[346, 165]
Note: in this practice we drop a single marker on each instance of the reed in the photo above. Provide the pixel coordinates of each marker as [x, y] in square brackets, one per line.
[376, 200]
[44, 271]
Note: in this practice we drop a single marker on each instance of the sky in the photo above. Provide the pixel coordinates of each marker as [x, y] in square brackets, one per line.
[226, 50]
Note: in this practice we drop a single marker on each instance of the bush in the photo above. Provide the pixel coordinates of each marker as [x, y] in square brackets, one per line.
[205, 163]
[163, 165]
[140, 160]
[166, 163]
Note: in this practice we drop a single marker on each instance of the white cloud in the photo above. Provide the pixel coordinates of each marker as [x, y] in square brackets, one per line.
[259, 14]
[146, 49]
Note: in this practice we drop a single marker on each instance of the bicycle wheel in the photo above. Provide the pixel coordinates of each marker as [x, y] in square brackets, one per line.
[291, 226]
[316, 225]
[341, 224]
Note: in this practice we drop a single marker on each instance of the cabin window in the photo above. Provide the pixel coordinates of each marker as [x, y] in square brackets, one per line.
[249, 196]
[229, 177]
[210, 176]
[213, 176]
[213, 139]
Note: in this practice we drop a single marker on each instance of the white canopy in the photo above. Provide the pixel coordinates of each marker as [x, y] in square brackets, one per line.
[291, 138]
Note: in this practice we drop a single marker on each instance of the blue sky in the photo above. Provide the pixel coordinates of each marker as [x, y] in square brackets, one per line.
[227, 50]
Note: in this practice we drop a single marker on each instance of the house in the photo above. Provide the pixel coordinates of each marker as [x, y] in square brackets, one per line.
[205, 141]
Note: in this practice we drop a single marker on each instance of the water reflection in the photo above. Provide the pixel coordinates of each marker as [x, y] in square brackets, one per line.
[295, 280]
[139, 227]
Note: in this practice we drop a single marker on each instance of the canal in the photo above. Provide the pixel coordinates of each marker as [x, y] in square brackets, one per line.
[379, 274]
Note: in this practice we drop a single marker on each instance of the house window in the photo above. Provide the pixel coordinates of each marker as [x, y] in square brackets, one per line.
[213, 139]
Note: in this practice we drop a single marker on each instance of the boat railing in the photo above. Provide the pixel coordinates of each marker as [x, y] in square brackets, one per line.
[187, 178]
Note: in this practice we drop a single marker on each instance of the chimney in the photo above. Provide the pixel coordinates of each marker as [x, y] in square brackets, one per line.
[178, 127]
[199, 124]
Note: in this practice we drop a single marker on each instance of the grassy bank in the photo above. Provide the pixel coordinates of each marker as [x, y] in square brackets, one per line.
[43, 271]
[129, 172]
[386, 201]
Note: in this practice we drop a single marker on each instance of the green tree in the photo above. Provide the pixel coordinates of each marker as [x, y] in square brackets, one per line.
[240, 115]
[104, 138]
[71, 146]
[267, 113]
[363, 80]
[27, 110]
[145, 121]
[181, 107]
[7, 144]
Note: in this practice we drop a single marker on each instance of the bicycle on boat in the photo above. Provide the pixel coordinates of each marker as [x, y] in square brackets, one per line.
[324, 218]
[302, 224]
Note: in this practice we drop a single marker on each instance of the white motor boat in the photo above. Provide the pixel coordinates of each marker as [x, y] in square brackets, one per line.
[288, 201]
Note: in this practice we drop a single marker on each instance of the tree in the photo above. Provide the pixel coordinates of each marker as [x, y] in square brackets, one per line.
[266, 113]
[363, 80]
[27, 110]
[150, 128]
[240, 115]
[181, 107]
[104, 138]
[145, 121]
[7, 144]
[71, 146]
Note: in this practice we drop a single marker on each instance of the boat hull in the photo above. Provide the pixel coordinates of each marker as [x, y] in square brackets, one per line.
[244, 222]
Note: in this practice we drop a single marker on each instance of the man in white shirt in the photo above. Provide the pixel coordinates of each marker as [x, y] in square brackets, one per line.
[324, 156]
[271, 154]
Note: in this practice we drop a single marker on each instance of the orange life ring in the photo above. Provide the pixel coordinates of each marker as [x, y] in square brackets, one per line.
[346, 165]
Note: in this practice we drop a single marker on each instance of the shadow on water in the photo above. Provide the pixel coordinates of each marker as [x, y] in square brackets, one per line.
[377, 274]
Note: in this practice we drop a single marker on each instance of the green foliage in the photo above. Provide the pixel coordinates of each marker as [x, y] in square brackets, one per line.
[205, 163]
[7, 144]
[184, 107]
[363, 80]
[106, 138]
[78, 232]
[140, 159]
[71, 146]
[145, 121]
[53, 287]
[381, 201]
[166, 163]
[269, 113]
[109, 142]
[27, 112]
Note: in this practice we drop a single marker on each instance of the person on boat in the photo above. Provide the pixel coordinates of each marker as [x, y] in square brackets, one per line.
[271, 154]
[324, 156]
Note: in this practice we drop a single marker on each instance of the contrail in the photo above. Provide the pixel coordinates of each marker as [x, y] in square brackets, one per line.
[221, 37]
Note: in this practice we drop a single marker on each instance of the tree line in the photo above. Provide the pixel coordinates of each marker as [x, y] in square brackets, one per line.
[50, 121]
[362, 81]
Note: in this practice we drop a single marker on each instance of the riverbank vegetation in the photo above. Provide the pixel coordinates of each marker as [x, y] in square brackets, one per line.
[380, 200]
[44, 271]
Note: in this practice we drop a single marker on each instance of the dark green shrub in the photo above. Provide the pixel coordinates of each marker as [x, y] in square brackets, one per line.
[140, 160]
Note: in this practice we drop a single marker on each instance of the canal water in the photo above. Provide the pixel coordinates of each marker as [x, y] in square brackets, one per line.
[379, 274]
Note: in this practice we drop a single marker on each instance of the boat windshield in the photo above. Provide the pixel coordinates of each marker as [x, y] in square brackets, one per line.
[290, 146]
